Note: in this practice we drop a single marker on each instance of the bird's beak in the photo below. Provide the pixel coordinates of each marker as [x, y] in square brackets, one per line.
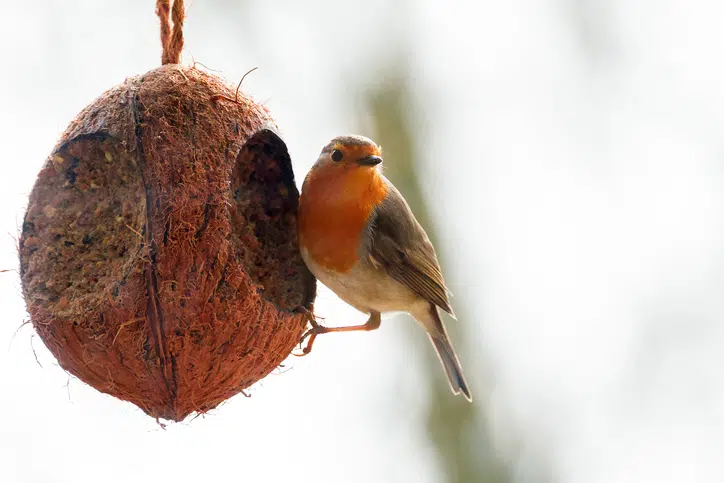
[369, 161]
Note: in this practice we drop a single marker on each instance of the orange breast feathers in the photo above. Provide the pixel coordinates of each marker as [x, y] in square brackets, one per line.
[336, 202]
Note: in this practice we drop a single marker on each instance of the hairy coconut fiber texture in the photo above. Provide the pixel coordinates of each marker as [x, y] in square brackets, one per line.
[159, 256]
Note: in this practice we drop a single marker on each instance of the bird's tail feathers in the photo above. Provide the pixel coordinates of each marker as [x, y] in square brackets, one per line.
[448, 358]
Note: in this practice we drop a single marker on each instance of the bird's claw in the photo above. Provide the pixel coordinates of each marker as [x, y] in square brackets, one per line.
[311, 333]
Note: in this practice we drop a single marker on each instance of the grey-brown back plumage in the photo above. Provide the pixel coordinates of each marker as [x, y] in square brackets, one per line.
[397, 244]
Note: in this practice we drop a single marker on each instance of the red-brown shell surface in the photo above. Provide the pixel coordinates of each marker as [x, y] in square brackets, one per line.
[159, 257]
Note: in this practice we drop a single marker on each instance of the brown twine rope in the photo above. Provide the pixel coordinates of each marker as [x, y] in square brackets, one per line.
[172, 40]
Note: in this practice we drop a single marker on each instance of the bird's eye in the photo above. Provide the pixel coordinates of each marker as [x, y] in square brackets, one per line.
[336, 155]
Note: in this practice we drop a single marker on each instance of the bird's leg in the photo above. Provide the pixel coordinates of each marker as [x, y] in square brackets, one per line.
[372, 323]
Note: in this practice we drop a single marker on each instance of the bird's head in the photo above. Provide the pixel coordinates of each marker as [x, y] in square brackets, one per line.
[349, 153]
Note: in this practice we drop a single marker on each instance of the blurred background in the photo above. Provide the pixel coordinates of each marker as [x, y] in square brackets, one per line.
[567, 158]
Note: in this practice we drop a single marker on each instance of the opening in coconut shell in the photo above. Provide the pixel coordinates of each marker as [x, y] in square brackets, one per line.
[159, 256]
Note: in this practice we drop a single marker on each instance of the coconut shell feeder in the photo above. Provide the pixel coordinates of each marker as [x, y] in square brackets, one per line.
[159, 258]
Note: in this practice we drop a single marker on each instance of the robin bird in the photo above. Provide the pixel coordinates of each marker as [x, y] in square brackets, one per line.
[359, 237]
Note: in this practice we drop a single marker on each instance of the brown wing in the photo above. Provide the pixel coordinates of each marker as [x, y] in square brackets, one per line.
[399, 245]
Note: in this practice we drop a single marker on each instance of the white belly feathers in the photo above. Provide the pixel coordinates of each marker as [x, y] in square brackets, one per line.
[366, 288]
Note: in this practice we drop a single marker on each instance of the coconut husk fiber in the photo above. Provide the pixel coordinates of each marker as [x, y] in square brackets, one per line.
[159, 257]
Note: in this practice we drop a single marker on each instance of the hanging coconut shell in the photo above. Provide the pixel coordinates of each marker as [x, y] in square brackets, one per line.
[159, 257]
